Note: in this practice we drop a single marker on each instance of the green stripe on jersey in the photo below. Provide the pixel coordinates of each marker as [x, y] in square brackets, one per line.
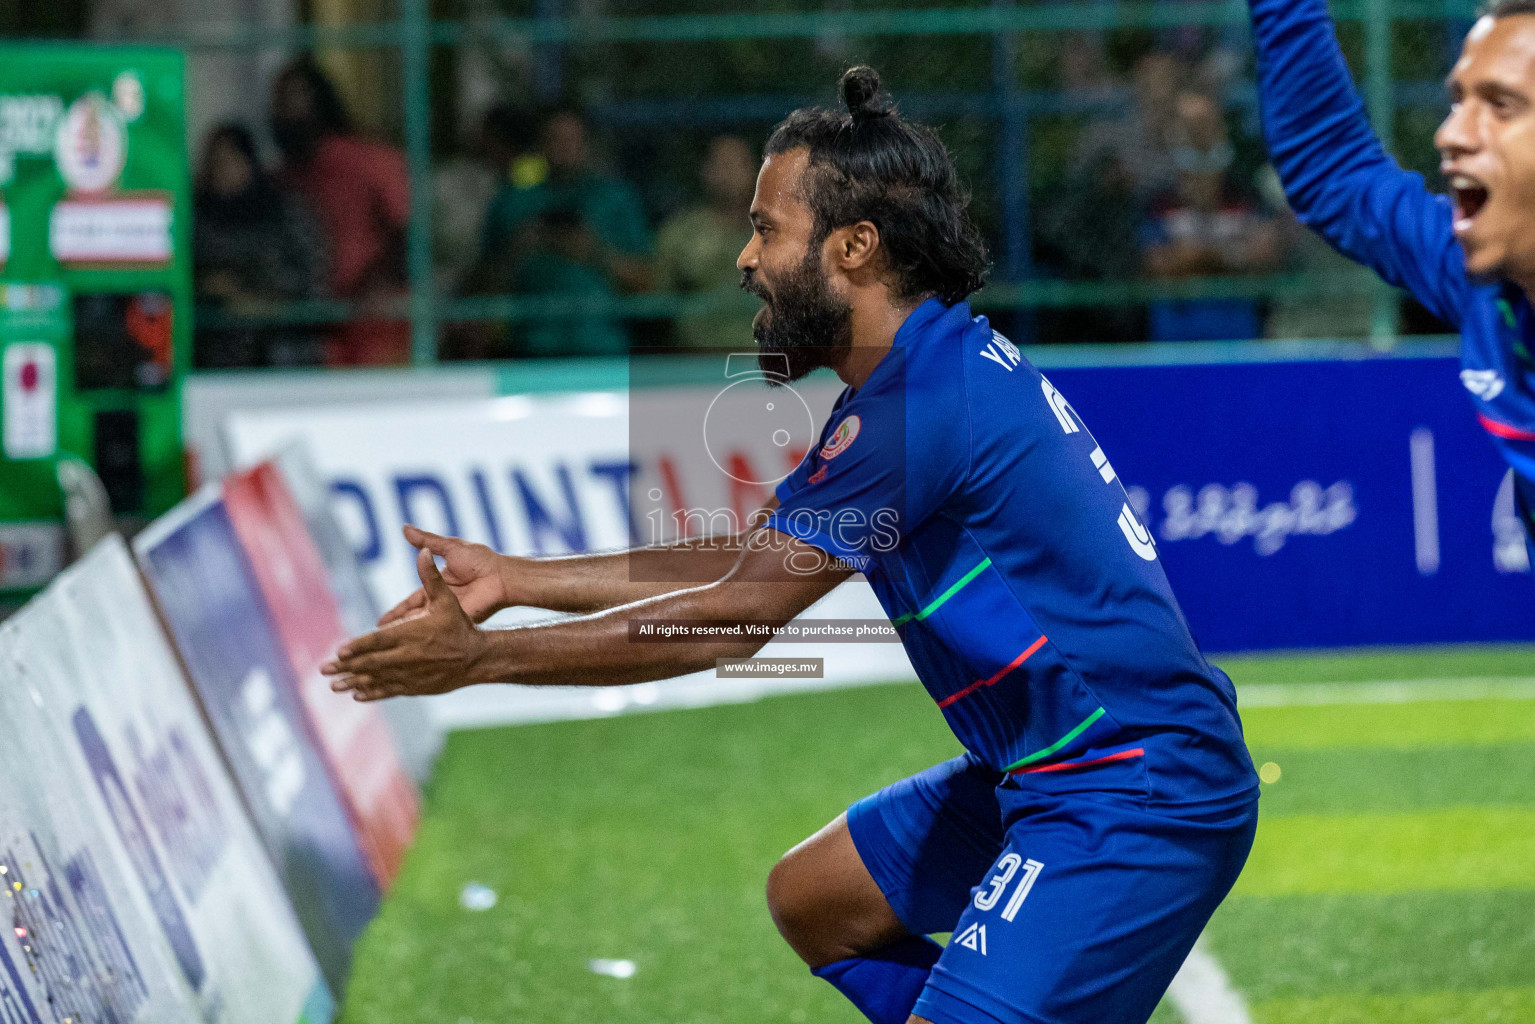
[941, 598]
[1040, 755]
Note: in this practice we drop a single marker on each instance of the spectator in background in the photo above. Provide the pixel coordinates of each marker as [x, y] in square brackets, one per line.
[579, 234]
[1206, 226]
[504, 143]
[251, 242]
[1315, 315]
[360, 191]
[502, 150]
[696, 249]
[1139, 142]
[1117, 165]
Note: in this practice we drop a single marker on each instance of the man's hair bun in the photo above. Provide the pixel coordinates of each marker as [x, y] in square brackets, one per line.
[860, 91]
[868, 163]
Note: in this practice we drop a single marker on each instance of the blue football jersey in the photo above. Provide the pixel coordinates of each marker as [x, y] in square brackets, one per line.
[1028, 594]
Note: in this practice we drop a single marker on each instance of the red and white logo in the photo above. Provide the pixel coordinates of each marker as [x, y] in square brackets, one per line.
[30, 398]
[843, 438]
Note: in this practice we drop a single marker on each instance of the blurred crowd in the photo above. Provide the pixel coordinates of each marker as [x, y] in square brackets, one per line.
[1155, 185]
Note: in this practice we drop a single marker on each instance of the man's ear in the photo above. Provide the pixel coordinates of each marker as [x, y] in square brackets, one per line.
[853, 247]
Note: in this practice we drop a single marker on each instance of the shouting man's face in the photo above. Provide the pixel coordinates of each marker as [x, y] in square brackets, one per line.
[803, 317]
[1487, 148]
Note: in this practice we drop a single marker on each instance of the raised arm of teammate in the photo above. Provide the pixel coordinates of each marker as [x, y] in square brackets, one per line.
[486, 582]
[1336, 175]
[441, 649]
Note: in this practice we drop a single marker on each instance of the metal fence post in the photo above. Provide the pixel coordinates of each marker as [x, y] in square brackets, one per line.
[416, 55]
[1011, 119]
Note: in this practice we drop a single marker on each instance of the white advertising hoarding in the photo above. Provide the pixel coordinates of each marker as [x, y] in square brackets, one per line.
[125, 723]
[86, 937]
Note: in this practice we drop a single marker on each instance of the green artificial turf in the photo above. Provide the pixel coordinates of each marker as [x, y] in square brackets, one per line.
[1393, 878]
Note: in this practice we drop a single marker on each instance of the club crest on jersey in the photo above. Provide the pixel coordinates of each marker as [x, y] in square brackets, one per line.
[843, 438]
[1484, 384]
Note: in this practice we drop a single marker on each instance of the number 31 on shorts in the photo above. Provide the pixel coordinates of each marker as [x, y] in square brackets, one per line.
[991, 892]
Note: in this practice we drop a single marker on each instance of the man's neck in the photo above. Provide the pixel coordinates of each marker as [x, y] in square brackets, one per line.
[874, 330]
[1526, 284]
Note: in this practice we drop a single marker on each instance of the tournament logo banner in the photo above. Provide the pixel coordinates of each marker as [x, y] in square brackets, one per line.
[96, 224]
[208, 595]
[158, 783]
[84, 939]
[354, 736]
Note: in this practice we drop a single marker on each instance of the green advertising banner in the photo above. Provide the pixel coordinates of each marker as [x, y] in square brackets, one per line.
[95, 286]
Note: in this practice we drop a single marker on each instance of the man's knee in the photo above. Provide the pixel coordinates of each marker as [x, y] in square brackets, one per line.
[825, 903]
[792, 899]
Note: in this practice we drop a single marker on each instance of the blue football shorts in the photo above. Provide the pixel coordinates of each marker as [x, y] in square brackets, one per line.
[1068, 901]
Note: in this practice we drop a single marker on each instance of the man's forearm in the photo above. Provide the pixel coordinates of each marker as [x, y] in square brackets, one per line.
[590, 583]
[598, 650]
[442, 650]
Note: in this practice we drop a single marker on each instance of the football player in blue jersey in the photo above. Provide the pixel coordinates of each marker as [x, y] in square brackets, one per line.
[1105, 802]
[1469, 256]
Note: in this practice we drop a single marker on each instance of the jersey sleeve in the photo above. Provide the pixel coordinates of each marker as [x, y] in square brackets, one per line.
[1338, 178]
[865, 487]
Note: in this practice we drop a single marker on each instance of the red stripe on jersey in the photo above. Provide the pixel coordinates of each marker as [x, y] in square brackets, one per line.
[1123, 755]
[1492, 426]
[967, 691]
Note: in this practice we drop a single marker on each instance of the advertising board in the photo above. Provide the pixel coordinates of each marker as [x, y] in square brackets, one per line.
[207, 592]
[1316, 504]
[354, 737]
[417, 737]
[95, 270]
[92, 939]
[114, 690]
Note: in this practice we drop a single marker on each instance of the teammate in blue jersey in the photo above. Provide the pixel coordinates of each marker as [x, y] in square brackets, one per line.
[1105, 802]
[1469, 257]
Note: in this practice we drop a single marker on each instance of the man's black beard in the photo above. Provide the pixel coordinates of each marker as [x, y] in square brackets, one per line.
[804, 322]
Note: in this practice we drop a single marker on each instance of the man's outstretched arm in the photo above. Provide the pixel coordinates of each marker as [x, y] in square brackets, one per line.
[486, 582]
[1337, 177]
[443, 650]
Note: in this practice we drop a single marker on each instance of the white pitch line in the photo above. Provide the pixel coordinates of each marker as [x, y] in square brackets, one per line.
[1406, 691]
[1203, 994]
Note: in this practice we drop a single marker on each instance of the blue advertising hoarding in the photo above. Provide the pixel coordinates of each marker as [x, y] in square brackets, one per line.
[210, 600]
[1319, 503]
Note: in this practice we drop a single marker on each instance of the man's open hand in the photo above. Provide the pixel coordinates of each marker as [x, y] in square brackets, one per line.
[432, 652]
[472, 572]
